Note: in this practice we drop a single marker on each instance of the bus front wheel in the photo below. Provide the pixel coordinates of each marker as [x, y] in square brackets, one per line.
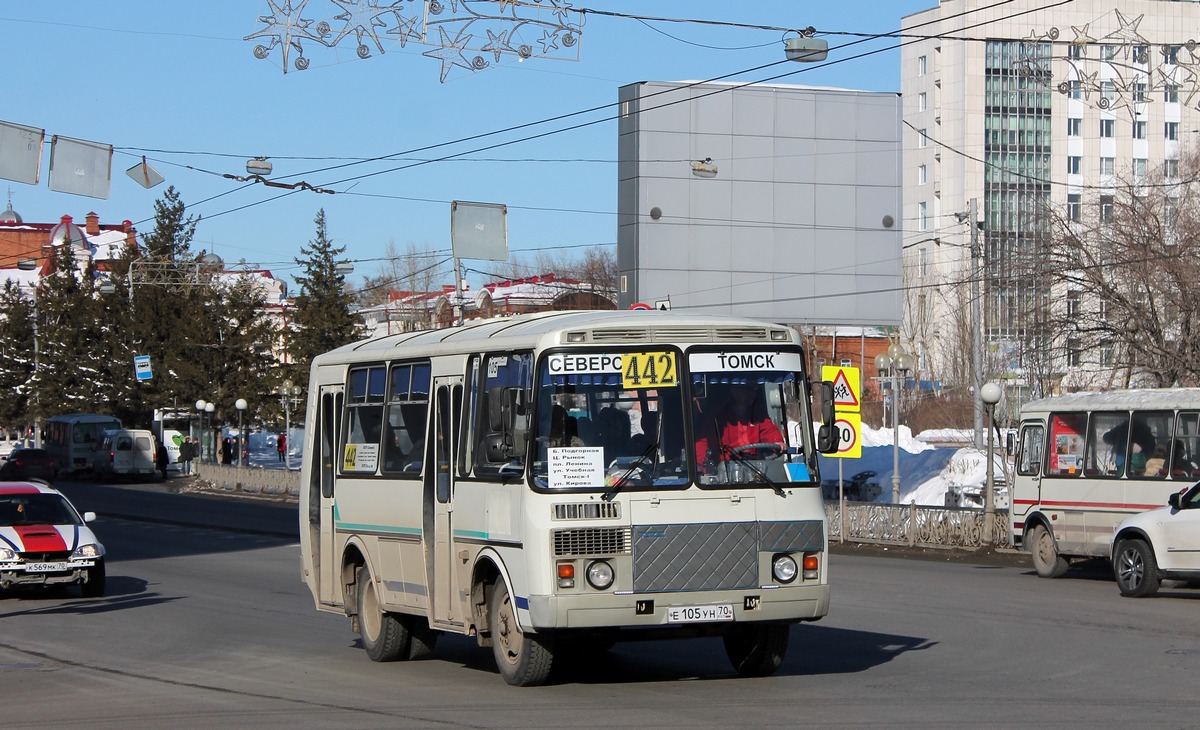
[524, 660]
[757, 650]
[1046, 560]
[384, 635]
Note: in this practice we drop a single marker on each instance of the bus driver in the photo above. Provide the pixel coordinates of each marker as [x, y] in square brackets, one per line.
[740, 421]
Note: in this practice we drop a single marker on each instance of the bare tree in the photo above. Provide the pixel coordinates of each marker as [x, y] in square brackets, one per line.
[1124, 264]
[402, 284]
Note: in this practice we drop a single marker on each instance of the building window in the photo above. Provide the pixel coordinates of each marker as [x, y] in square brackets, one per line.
[922, 65]
[922, 174]
[1139, 91]
[922, 262]
[922, 101]
[1073, 352]
[1075, 51]
[1139, 167]
[1074, 207]
[922, 216]
[1171, 130]
[1106, 208]
[1106, 355]
[1074, 162]
[922, 138]
[1107, 166]
[1171, 168]
[1108, 52]
[1139, 130]
[1141, 54]
[1107, 126]
[1108, 90]
[1074, 125]
[1170, 54]
[1073, 304]
[1171, 92]
[1074, 89]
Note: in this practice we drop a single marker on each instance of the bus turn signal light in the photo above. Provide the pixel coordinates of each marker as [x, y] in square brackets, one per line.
[811, 565]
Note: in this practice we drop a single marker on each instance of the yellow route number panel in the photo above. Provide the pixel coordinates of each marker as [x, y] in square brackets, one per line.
[649, 370]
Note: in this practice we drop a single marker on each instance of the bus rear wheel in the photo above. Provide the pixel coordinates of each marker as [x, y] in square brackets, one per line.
[757, 650]
[1046, 560]
[524, 660]
[385, 637]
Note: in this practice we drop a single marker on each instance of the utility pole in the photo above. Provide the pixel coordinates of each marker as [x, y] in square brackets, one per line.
[976, 320]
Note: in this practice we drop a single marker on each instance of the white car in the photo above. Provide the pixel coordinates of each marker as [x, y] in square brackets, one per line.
[1162, 544]
[44, 541]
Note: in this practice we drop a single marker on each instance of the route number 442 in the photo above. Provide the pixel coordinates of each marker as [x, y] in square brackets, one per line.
[649, 370]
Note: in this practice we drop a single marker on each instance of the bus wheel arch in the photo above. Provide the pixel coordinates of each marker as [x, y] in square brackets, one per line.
[1043, 548]
[353, 559]
[486, 575]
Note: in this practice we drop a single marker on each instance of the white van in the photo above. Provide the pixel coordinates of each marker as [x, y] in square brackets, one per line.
[124, 452]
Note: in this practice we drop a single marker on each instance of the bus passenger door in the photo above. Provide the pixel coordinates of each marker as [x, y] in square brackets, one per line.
[439, 502]
[322, 492]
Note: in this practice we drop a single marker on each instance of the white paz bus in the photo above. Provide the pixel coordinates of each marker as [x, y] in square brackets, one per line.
[553, 481]
[1085, 461]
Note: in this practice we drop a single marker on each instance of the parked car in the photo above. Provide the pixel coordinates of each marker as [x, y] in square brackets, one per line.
[859, 488]
[44, 541]
[1162, 544]
[29, 464]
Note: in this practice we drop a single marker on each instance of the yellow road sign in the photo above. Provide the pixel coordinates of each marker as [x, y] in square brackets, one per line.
[847, 387]
[849, 426]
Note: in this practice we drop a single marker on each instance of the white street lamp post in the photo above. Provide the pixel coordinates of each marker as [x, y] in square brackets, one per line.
[210, 408]
[289, 390]
[990, 395]
[895, 364]
[240, 404]
[200, 404]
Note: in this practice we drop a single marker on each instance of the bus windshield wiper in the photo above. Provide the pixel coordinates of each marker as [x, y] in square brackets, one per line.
[620, 482]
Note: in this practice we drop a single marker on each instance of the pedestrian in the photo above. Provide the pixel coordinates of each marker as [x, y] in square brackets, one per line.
[227, 451]
[161, 459]
[281, 445]
[187, 452]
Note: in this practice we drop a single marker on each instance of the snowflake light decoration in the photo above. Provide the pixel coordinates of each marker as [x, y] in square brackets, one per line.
[467, 34]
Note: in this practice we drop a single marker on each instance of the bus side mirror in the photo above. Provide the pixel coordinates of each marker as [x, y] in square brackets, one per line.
[827, 435]
[508, 423]
[1010, 443]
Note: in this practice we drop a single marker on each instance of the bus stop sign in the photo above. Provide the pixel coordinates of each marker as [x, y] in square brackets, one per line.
[141, 367]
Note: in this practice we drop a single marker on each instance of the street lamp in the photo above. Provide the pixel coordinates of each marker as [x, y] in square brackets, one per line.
[200, 404]
[240, 405]
[895, 364]
[210, 408]
[289, 390]
[990, 395]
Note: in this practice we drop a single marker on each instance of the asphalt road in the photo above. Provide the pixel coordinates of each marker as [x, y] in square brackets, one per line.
[209, 627]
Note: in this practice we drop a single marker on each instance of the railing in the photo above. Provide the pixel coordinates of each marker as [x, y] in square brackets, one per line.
[914, 525]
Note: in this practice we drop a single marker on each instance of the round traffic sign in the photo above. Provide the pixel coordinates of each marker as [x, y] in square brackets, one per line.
[640, 305]
[847, 435]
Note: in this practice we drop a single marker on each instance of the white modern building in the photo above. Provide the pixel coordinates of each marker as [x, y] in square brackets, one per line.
[1008, 106]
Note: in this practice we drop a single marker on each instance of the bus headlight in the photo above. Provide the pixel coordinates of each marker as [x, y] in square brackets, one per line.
[600, 575]
[784, 568]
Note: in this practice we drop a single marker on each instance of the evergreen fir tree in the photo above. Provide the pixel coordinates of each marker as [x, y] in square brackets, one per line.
[16, 354]
[322, 319]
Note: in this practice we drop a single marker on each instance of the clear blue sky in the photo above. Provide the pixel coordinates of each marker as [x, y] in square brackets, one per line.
[178, 79]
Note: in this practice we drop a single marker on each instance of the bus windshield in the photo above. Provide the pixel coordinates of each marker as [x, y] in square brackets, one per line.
[598, 427]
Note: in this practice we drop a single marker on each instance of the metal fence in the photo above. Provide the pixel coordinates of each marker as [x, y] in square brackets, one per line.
[913, 525]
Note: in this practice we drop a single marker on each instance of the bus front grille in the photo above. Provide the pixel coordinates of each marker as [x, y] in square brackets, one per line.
[591, 541]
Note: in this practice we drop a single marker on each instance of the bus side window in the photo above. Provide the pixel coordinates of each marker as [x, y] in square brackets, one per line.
[1029, 461]
[1066, 444]
[1185, 450]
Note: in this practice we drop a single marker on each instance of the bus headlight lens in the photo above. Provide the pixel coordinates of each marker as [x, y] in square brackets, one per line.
[784, 568]
[600, 575]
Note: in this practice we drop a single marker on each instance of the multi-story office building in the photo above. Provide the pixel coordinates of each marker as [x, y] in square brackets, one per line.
[1008, 108]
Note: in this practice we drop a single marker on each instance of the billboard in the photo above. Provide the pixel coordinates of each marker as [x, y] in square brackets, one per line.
[770, 201]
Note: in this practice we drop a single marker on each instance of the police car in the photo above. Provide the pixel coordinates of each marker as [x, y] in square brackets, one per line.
[44, 541]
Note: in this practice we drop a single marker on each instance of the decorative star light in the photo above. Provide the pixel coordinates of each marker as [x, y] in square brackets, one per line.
[1134, 78]
[514, 31]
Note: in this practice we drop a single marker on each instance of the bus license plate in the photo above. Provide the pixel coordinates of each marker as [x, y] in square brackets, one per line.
[698, 614]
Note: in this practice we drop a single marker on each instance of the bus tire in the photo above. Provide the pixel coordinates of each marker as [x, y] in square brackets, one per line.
[1136, 569]
[524, 660]
[1046, 560]
[384, 636]
[424, 638]
[757, 649]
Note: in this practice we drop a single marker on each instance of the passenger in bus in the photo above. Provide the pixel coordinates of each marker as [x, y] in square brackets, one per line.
[737, 421]
[1156, 465]
[563, 429]
[612, 425]
[1181, 465]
